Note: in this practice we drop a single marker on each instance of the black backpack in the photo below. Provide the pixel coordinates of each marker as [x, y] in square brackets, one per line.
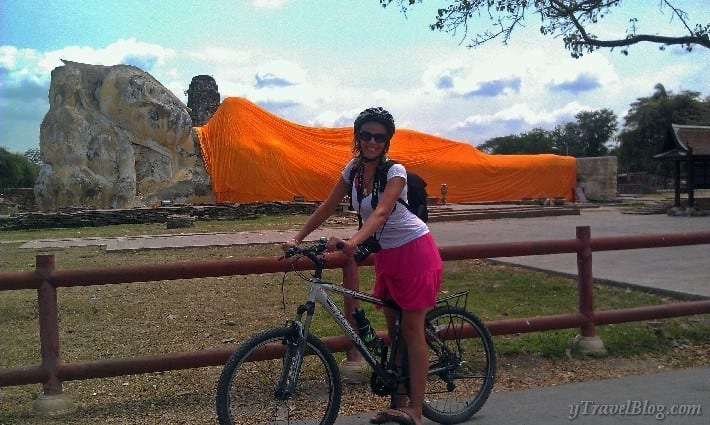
[416, 191]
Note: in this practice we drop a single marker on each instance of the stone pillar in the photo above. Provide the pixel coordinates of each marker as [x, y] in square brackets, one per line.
[597, 176]
[202, 99]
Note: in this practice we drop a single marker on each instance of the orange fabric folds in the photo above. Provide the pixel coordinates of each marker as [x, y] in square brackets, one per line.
[254, 156]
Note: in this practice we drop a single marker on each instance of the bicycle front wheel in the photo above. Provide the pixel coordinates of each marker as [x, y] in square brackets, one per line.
[247, 392]
[462, 365]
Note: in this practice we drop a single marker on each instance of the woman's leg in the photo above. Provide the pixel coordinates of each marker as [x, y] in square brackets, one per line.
[418, 356]
[391, 318]
[351, 280]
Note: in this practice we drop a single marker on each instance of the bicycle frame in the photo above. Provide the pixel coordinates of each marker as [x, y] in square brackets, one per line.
[318, 293]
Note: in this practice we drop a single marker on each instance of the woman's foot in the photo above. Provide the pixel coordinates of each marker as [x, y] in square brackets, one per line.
[379, 418]
[400, 416]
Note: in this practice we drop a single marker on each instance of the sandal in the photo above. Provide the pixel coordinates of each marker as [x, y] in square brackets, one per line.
[394, 415]
[379, 418]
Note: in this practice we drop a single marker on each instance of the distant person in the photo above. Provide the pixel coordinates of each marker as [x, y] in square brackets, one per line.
[408, 267]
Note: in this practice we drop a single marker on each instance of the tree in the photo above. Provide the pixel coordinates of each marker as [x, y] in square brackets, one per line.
[585, 137]
[16, 170]
[570, 20]
[588, 136]
[536, 141]
[34, 156]
[647, 127]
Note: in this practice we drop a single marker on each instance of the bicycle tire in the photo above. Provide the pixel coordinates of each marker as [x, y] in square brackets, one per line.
[246, 389]
[455, 395]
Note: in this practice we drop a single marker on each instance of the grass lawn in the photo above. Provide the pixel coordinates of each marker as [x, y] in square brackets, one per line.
[116, 321]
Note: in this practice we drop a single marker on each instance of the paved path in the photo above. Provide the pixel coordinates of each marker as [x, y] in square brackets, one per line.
[680, 271]
[680, 397]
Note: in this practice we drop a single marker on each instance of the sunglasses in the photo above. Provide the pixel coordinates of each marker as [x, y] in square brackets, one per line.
[365, 136]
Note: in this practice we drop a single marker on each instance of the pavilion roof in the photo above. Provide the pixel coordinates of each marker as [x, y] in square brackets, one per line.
[687, 137]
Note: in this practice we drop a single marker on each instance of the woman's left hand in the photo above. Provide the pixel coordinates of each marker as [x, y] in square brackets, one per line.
[289, 244]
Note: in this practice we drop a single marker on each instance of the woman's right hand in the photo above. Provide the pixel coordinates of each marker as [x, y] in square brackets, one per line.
[343, 245]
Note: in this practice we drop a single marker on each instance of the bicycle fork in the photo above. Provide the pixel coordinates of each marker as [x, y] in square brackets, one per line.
[295, 347]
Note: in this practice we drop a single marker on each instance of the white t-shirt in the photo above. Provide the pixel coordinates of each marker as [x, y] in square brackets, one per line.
[402, 226]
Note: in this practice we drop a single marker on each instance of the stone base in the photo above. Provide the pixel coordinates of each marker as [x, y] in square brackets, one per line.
[590, 345]
[687, 212]
[676, 212]
[53, 405]
[355, 372]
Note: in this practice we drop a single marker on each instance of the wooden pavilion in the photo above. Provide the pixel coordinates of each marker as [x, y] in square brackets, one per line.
[692, 147]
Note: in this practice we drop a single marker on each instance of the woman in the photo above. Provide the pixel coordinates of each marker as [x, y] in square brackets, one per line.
[408, 268]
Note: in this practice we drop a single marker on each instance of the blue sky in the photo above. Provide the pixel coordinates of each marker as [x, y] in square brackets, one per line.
[318, 63]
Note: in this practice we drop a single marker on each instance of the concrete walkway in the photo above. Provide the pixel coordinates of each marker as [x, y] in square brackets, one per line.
[680, 397]
[681, 271]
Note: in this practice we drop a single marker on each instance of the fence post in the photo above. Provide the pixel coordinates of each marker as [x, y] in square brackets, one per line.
[53, 401]
[588, 341]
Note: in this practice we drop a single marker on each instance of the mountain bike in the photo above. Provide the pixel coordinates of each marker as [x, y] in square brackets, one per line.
[287, 375]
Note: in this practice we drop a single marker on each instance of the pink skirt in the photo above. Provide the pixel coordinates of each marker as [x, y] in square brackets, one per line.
[410, 274]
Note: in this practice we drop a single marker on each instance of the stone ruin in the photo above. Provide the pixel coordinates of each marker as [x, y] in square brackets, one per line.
[115, 137]
[202, 99]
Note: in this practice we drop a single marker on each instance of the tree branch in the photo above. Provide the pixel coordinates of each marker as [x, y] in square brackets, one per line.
[559, 18]
[680, 14]
[687, 40]
[567, 12]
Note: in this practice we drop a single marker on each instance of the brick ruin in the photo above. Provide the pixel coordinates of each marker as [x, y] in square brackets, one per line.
[202, 99]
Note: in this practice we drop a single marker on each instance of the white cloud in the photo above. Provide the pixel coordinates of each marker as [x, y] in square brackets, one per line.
[524, 113]
[596, 65]
[30, 68]
[280, 73]
[219, 55]
[124, 51]
[516, 72]
[269, 4]
[20, 66]
[334, 119]
[8, 56]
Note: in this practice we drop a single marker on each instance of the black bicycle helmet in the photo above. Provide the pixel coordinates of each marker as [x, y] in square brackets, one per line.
[377, 114]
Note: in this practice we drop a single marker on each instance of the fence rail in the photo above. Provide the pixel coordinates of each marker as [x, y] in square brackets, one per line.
[46, 279]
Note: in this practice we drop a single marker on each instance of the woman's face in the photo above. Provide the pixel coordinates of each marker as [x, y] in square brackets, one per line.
[373, 139]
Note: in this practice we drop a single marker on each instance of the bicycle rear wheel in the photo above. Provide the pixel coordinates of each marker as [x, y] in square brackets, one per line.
[246, 392]
[462, 365]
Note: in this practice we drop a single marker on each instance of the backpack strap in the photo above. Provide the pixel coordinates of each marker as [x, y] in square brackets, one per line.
[351, 180]
[379, 185]
[353, 173]
[382, 183]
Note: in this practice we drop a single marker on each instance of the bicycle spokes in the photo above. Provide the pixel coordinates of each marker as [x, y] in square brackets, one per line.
[462, 365]
[258, 382]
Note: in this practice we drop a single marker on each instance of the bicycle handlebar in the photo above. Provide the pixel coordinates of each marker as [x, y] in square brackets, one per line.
[308, 250]
[312, 252]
